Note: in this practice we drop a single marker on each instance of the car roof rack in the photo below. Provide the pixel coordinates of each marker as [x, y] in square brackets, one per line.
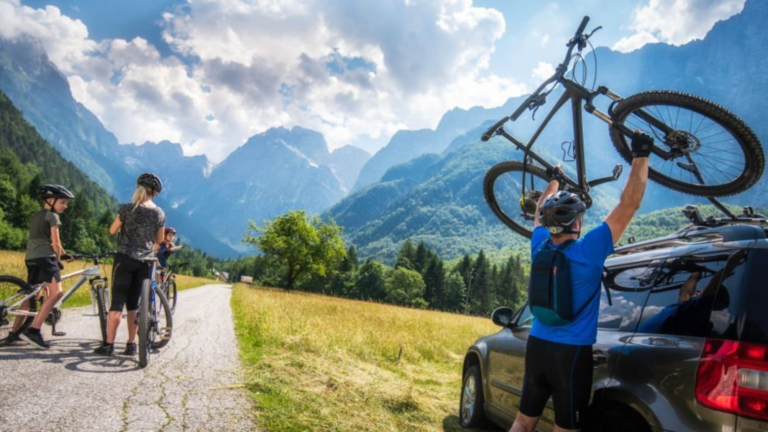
[748, 226]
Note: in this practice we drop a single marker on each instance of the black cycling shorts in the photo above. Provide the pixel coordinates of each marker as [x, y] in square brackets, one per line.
[561, 371]
[127, 277]
[43, 270]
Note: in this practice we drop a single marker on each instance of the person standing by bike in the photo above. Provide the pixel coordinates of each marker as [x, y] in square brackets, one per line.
[558, 359]
[140, 228]
[165, 250]
[43, 260]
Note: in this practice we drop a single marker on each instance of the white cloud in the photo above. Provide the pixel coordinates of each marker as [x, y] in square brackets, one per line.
[543, 71]
[676, 21]
[347, 69]
[64, 39]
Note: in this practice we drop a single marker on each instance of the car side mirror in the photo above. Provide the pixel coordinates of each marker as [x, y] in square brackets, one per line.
[502, 316]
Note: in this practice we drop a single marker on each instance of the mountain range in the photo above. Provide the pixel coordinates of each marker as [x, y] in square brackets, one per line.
[424, 184]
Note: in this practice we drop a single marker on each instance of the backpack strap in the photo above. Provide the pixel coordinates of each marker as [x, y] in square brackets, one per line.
[592, 297]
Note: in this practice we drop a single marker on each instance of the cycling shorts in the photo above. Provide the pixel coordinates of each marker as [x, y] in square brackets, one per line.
[561, 371]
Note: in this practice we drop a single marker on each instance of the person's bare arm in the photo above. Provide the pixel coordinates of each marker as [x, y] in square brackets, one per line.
[159, 237]
[116, 225]
[618, 219]
[632, 195]
[58, 249]
[551, 188]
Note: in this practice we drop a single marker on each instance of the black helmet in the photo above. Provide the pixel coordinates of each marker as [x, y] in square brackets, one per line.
[151, 181]
[560, 211]
[54, 191]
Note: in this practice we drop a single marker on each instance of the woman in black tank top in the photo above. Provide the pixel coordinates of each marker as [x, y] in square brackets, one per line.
[139, 227]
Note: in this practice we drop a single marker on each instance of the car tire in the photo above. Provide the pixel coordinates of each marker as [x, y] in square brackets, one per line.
[472, 405]
[617, 418]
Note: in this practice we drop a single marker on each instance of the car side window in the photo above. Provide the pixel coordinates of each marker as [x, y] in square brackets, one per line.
[683, 294]
[629, 290]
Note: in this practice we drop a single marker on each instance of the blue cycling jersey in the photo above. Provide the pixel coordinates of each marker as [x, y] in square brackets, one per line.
[587, 257]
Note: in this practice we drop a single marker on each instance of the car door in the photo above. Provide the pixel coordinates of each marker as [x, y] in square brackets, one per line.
[506, 353]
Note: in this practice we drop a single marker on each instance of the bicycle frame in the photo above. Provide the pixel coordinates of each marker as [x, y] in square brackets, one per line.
[17, 300]
[578, 95]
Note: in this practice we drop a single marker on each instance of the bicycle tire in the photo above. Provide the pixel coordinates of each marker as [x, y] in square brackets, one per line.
[9, 286]
[145, 323]
[161, 339]
[489, 186]
[171, 295]
[754, 157]
[103, 310]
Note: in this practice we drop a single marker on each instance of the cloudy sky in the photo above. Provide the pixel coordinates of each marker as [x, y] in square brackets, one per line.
[209, 74]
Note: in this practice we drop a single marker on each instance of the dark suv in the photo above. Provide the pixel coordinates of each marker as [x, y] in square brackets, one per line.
[682, 340]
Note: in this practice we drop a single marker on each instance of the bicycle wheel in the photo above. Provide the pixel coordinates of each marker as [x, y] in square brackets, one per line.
[100, 290]
[162, 327]
[503, 190]
[9, 287]
[712, 151]
[170, 294]
[145, 323]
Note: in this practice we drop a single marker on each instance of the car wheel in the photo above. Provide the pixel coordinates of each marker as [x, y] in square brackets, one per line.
[620, 418]
[472, 407]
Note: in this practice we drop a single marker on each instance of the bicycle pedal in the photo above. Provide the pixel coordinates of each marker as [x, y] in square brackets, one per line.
[59, 333]
[165, 333]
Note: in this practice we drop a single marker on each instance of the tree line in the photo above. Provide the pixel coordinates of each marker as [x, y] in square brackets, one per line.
[305, 253]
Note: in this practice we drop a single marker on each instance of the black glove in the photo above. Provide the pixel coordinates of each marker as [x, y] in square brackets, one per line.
[642, 143]
[555, 173]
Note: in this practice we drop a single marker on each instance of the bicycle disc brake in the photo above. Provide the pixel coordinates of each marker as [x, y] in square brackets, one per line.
[528, 203]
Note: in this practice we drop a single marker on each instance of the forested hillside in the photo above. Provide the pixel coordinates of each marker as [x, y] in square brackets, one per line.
[28, 161]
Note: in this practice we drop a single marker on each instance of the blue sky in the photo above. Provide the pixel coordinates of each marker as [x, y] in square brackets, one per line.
[209, 74]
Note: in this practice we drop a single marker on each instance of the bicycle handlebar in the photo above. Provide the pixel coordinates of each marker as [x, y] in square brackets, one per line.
[582, 26]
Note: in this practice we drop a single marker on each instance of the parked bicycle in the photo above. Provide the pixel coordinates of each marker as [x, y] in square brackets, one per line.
[155, 317]
[169, 284]
[14, 292]
[700, 147]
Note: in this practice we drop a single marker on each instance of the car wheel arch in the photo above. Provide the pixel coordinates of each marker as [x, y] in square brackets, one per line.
[606, 398]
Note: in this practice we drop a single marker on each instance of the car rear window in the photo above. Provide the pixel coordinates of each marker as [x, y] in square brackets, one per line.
[746, 318]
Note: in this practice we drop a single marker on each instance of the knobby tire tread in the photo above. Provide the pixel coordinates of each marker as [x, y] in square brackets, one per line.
[753, 151]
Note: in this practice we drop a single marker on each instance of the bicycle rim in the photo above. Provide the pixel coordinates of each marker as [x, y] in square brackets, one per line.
[163, 323]
[503, 190]
[714, 153]
[10, 287]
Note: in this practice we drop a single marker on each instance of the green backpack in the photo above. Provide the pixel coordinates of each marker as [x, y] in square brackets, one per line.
[550, 288]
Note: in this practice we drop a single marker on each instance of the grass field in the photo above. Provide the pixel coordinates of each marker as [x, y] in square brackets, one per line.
[317, 363]
[12, 263]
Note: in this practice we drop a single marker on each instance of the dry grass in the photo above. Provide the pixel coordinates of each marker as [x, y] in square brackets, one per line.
[327, 364]
[12, 263]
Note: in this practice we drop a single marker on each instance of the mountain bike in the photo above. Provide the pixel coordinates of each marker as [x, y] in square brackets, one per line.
[168, 285]
[700, 148]
[155, 317]
[18, 299]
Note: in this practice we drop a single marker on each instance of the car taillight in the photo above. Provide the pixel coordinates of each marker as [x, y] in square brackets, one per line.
[733, 377]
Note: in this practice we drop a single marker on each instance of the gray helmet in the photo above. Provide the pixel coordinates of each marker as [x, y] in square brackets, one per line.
[151, 181]
[560, 211]
[54, 191]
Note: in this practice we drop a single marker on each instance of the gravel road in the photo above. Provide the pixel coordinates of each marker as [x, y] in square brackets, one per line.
[193, 384]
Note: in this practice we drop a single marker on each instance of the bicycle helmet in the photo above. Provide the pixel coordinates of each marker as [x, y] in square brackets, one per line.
[560, 211]
[54, 191]
[150, 181]
[170, 230]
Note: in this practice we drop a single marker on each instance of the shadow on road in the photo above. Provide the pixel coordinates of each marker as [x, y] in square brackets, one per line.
[75, 354]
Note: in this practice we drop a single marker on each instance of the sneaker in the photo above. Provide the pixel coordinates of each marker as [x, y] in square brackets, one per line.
[105, 350]
[34, 337]
[10, 339]
[130, 349]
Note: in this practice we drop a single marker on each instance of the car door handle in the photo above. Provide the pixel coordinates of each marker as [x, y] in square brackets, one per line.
[598, 359]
